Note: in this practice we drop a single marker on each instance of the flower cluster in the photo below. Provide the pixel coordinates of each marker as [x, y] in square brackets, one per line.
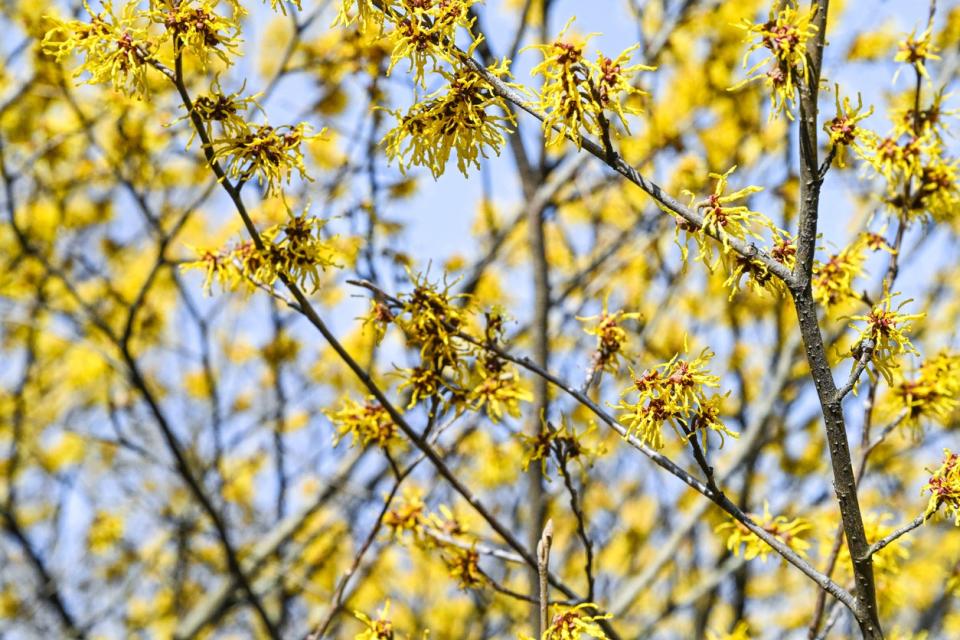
[430, 320]
[833, 280]
[673, 393]
[226, 110]
[366, 423]
[577, 93]
[922, 180]
[196, 27]
[115, 48]
[462, 117]
[884, 335]
[425, 32]
[463, 565]
[610, 337]
[294, 249]
[408, 516]
[944, 487]
[454, 369]
[497, 389]
[843, 129]
[916, 51]
[789, 531]
[575, 623]
[271, 154]
[379, 629]
[562, 443]
[723, 218]
[932, 394]
[785, 35]
[761, 279]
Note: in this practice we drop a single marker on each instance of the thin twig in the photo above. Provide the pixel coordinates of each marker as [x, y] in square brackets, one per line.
[543, 564]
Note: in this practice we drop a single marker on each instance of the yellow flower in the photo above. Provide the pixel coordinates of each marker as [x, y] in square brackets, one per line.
[944, 487]
[612, 83]
[272, 154]
[785, 35]
[116, 49]
[610, 337]
[366, 423]
[939, 188]
[409, 515]
[576, 92]
[833, 280]
[723, 218]
[761, 279]
[563, 443]
[916, 50]
[425, 32]
[576, 623]
[196, 27]
[430, 319]
[294, 249]
[379, 629]
[463, 565]
[466, 116]
[743, 540]
[672, 393]
[933, 394]
[499, 388]
[366, 14]
[227, 110]
[884, 334]
[843, 129]
[218, 267]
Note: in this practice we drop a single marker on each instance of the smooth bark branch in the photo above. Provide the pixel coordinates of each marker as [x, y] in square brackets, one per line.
[543, 566]
[894, 535]
[844, 478]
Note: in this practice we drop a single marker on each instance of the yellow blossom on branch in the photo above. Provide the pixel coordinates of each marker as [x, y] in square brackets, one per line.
[672, 393]
[576, 623]
[742, 540]
[784, 35]
[498, 390]
[466, 117]
[226, 110]
[833, 280]
[562, 443]
[577, 92]
[916, 51]
[843, 129]
[379, 629]
[722, 218]
[195, 26]
[611, 337]
[408, 516]
[116, 48]
[294, 249]
[463, 566]
[884, 334]
[271, 154]
[944, 487]
[366, 423]
[425, 33]
[932, 394]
